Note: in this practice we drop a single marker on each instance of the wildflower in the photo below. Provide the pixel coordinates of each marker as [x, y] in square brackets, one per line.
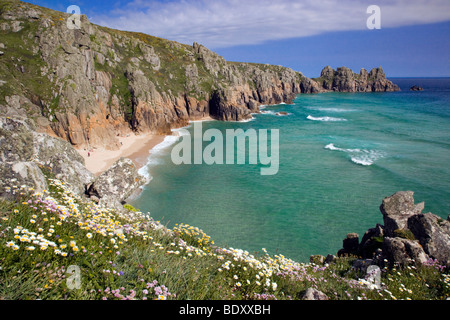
[10, 244]
[32, 221]
[161, 297]
[89, 235]
[30, 248]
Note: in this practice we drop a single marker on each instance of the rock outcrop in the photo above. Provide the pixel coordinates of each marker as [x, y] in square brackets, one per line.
[23, 151]
[116, 184]
[416, 88]
[408, 237]
[26, 156]
[345, 80]
[314, 294]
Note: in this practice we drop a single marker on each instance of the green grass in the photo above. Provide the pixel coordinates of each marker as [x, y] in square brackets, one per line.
[130, 256]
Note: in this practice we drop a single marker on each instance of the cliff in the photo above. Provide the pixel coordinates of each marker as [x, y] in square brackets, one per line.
[88, 85]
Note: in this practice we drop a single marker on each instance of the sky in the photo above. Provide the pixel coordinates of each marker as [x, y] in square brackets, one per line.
[408, 38]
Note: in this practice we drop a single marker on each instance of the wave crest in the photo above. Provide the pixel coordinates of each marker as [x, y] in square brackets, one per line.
[359, 156]
[326, 119]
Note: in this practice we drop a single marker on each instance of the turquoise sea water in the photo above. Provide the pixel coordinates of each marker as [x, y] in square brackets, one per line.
[340, 154]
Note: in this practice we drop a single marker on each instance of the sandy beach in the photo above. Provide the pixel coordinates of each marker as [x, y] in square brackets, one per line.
[135, 147]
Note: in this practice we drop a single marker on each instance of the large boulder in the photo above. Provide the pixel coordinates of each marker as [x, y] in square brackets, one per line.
[403, 252]
[433, 234]
[371, 241]
[350, 245]
[397, 209]
[117, 184]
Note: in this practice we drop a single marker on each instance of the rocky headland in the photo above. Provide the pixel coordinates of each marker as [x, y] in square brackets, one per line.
[407, 238]
[88, 85]
[63, 89]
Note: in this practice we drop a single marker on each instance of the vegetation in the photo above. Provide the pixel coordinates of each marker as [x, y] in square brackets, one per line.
[57, 245]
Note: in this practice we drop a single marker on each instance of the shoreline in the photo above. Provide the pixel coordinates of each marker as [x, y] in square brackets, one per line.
[135, 147]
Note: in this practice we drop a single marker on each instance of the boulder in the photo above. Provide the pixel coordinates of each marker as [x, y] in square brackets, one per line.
[117, 184]
[397, 209]
[433, 233]
[371, 241]
[403, 252]
[416, 88]
[350, 245]
[314, 294]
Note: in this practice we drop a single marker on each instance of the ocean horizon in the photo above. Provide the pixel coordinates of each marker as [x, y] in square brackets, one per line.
[340, 154]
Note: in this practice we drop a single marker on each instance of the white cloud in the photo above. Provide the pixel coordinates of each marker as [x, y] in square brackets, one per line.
[237, 22]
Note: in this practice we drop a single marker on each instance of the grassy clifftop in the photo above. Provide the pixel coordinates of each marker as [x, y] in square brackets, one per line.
[57, 245]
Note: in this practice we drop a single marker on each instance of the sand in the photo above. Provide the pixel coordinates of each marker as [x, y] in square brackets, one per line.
[135, 147]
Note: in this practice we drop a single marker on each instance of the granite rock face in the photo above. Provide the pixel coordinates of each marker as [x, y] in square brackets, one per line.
[433, 234]
[116, 184]
[397, 209]
[23, 151]
[63, 160]
[403, 252]
[96, 83]
[408, 237]
[345, 80]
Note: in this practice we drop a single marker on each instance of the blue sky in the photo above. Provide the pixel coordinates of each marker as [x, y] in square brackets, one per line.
[306, 35]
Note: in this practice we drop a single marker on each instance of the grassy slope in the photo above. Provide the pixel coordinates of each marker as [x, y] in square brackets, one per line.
[130, 257]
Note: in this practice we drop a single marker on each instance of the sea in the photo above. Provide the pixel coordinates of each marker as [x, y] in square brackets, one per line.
[339, 155]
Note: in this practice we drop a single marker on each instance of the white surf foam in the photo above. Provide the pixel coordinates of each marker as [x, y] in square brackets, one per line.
[247, 120]
[359, 156]
[274, 113]
[326, 119]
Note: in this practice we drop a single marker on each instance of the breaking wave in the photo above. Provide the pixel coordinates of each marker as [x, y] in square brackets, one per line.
[359, 156]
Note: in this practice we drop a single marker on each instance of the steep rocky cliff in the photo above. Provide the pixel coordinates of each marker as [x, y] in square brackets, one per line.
[90, 84]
